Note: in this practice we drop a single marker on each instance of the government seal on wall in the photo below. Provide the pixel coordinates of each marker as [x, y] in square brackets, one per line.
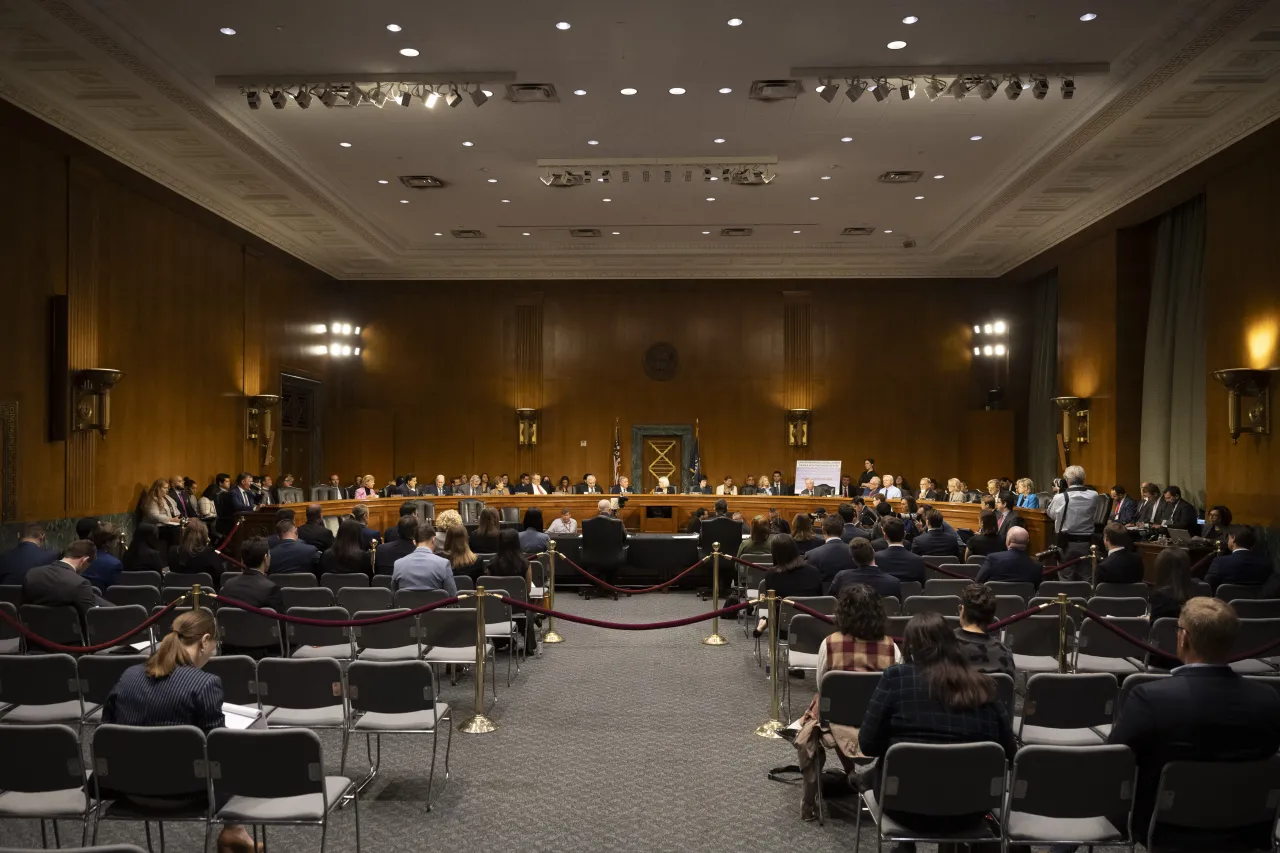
[660, 362]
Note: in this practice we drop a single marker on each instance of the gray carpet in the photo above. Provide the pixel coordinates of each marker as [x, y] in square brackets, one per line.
[612, 740]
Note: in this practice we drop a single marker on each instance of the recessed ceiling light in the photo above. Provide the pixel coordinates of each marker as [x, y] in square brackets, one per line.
[710, 199]
[724, 90]
[795, 232]
[408, 51]
[826, 177]
[506, 201]
[616, 233]
[938, 177]
[525, 233]
[888, 230]
[467, 144]
[975, 138]
[487, 93]
[345, 144]
[579, 91]
[813, 198]
[734, 22]
[910, 19]
[593, 142]
[395, 28]
[438, 234]
[606, 199]
[706, 232]
[404, 201]
[563, 25]
[846, 139]
[628, 91]
[676, 90]
[492, 180]
[383, 181]
[896, 45]
[227, 31]
[919, 198]
[718, 140]
[1088, 16]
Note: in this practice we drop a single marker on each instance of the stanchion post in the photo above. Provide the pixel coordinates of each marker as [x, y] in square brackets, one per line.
[1062, 632]
[715, 638]
[552, 636]
[771, 728]
[1093, 560]
[195, 595]
[478, 723]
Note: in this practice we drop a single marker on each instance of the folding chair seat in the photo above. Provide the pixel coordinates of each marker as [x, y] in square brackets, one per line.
[120, 622]
[396, 640]
[945, 586]
[1071, 795]
[39, 689]
[1100, 650]
[1233, 591]
[147, 596]
[890, 605]
[1112, 606]
[132, 763]
[42, 777]
[295, 580]
[353, 598]
[304, 693]
[1067, 710]
[98, 675]
[320, 641]
[1255, 634]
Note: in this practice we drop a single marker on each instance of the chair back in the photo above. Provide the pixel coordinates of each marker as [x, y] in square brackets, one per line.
[945, 570]
[318, 635]
[897, 626]
[335, 581]
[1036, 636]
[1004, 690]
[426, 510]
[1074, 782]
[1122, 590]
[61, 624]
[449, 627]
[325, 493]
[122, 623]
[1257, 608]
[299, 596]
[752, 576]
[38, 679]
[510, 513]
[121, 594]
[1202, 588]
[1216, 795]
[469, 510]
[38, 759]
[892, 606]
[945, 605]
[394, 687]
[246, 630]
[1072, 589]
[149, 760]
[805, 633]
[266, 763]
[1008, 605]
[1096, 640]
[1020, 588]
[509, 586]
[603, 542]
[1066, 701]
[464, 583]
[945, 586]
[1136, 680]
[975, 774]
[355, 598]
[380, 581]
[724, 530]
[412, 599]
[300, 580]
[1108, 606]
[144, 578]
[976, 559]
[300, 683]
[239, 675]
[289, 494]
[935, 560]
[11, 594]
[394, 634]
[824, 604]
[910, 588]
[9, 633]
[843, 697]
[1254, 634]
[1164, 635]
[186, 580]
[1233, 591]
[98, 674]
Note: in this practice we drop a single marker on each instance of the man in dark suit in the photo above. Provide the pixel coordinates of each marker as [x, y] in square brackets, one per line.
[408, 489]
[1006, 518]
[1124, 509]
[405, 541]
[936, 541]
[846, 488]
[1176, 512]
[1121, 564]
[291, 554]
[1013, 564]
[1148, 511]
[60, 584]
[623, 486]
[281, 515]
[239, 498]
[1241, 564]
[177, 491]
[895, 559]
[852, 528]
[345, 493]
[26, 555]
[780, 487]
[865, 571]
[604, 541]
[393, 532]
[831, 557]
[367, 534]
[314, 531]
[1202, 712]
[588, 486]
[524, 487]
[438, 488]
[253, 586]
[808, 491]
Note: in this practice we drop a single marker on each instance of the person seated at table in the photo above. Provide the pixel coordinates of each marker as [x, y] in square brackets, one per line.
[143, 554]
[986, 540]
[368, 488]
[758, 542]
[484, 540]
[195, 553]
[449, 517]
[695, 520]
[703, 488]
[1026, 491]
[802, 531]
[935, 696]
[406, 508]
[564, 487]
[748, 488]
[158, 507]
[664, 487]
[457, 550]
[368, 536]
[859, 644]
[984, 651]
[347, 556]
[955, 492]
[315, 532]
[565, 524]
[1216, 522]
[533, 536]
[171, 689]
[1121, 564]
[1241, 564]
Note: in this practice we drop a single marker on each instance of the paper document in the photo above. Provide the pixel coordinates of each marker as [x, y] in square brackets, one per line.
[141, 645]
[239, 716]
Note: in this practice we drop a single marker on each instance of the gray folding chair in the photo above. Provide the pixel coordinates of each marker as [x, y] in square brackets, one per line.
[1164, 636]
[1019, 588]
[1034, 642]
[186, 580]
[411, 599]
[1215, 795]
[132, 763]
[890, 605]
[341, 580]
[39, 689]
[320, 641]
[296, 580]
[276, 778]
[941, 572]
[144, 578]
[10, 636]
[42, 777]
[122, 622]
[499, 624]
[396, 640]
[239, 675]
[98, 675]
[449, 637]
[976, 559]
[1071, 795]
[1254, 634]
[1067, 710]
[58, 624]
[398, 698]
[945, 586]
[242, 630]
[1112, 606]
[380, 581]
[1008, 605]
[804, 635]
[306, 693]
[935, 560]
[164, 624]
[353, 598]
[464, 583]
[910, 588]
[945, 605]
[843, 698]
[147, 596]
[1232, 591]
[11, 594]
[514, 588]
[909, 773]
[226, 576]
[1257, 608]
[1005, 690]
[1072, 589]
[1100, 650]
[1122, 590]
[301, 596]
[1202, 589]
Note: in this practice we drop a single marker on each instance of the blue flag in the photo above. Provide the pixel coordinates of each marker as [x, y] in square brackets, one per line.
[696, 468]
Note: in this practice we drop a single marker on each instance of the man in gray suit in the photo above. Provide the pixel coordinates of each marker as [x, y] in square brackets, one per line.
[60, 584]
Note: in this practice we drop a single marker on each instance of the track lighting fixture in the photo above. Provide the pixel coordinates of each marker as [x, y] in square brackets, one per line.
[278, 99]
[1039, 87]
[967, 81]
[378, 98]
[453, 99]
[1068, 88]
[1013, 88]
[405, 97]
[329, 97]
[829, 91]
[303, 98]
[353, 95]
[254, 99]
[986, 88]
[933, 88]
[959, 88]
[855, 90]
[430, 100]
[478, 97]
[907, 90]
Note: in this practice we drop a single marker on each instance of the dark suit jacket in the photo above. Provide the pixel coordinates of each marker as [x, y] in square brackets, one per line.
[722, 529]
[1201, 713]
[1010, 521]
[255, 588]
[1143, 511]
[434, 490]
[384, 561]
[1012, 565]
[902, 564]
[16, 562]
[830, 559]
[59, 585]
[1240, 566]
[1125, 511]
[294, 555]
[928, 495]
[316, 534]
[852, 531]
[186, 505]
[850, 491]
[1181, 515]
[581, 489]
[617, 490]
[938, 543]
[884, 584]
[1120, 567]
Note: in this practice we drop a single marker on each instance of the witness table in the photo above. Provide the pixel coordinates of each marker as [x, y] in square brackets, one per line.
[1149, 551]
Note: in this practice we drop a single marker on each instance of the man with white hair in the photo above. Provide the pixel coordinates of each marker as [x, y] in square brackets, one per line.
[1072, 512]
[1013, 564]
[891, 492]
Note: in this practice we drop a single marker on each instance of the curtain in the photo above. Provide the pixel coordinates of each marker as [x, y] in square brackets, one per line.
[1173, 385]
[1042, 417]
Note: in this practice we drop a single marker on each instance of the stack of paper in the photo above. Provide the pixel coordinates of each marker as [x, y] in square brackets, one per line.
[239, 716]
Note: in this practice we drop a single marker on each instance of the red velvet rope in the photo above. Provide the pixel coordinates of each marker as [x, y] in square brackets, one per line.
[1203, 562]
[85, 650]
[232, 560]
[1102, 620]
[338, 623]
[227, 541]
[748, 563]
[1060, 566]
[613, 588]
[627, 626]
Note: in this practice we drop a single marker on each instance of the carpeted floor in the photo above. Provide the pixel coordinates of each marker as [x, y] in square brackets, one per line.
[612, 740]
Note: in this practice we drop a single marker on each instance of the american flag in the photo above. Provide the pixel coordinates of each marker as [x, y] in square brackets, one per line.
[617, 453]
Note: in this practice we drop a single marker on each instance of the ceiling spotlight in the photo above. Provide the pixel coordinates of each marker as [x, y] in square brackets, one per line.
[707, 176]
[1013, 88]
[829, 91]
[278, 99]
[938, 177]
[383, 181]
[855, 90]
[628, 91]
[1068, 88]
[438, 234]
[430, 100]
[467, 144]
[227, 31]
[616, 233]
[1087, 16]
[795, 232]
[547, 180]
[734, 22]
[506, 201]
[919, 198]
[910, 19]
[254, 99]
[826, 177]
[395, 28]
[563, 25]
[706, 232]
[405, 98]
[975, 138]
[999, 327]
[933, 88]
[345, 144]
[846, 139]
[303, 98]
[888, 230]
[606, 199]
[408, 51]
[593, 142]
[579, 92]
[404, 201]
[813, 198]
[524, 233]
[378, 98]
[676, 90]
[724, 90]
[710, 199]
[719, 140]
[487, 93]
[896, 45]
[880, 89]
[987, 329]
[986, 88]
[453, 99]
[987, 350]
[999, 349]
[1039, 87]
[907, 90]
[479, 97]
[977, 350]
[491, 180]
[959, 88]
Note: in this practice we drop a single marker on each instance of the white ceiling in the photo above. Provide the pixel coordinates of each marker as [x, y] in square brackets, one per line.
[136, 78]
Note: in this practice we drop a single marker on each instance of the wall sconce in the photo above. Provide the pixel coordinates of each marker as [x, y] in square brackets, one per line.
[527, 421]
[1247, 391]
[1079, 406]
[798, 427]
[258, 416]
[93, 398]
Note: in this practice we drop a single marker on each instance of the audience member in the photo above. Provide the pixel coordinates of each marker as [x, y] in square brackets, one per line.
[936, 541]
[368, 536]
[143, 554]
[457, 550]
[347, 556]
[105, 569]
[1241, 564]
[195, 553]
[511, 559]
[1027, 496]
[292, 554]
[1121, 564]
[790, 576]
[777, 524]
[896, 559]
[564, 525]
[403, 544]
[859, 644]
[448, 518]
[85, 527]
[1173, 588]
[27, 554]
[1216, 522]
[315, 532]
[866, 573]
[984, 651]
[1006, 518]
[158, 507]
[484, 540]
[1124, 509]
[180, 495]
[758, 542]
[695, 520]
[406, 508]
[423, 569]
[253, 586]
[802, 531]
[986, 540]
[61, 583]
[533, 537]
[1013, 564]
[281, 515]
[832, 557]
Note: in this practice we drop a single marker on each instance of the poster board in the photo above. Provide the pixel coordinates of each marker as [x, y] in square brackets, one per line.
[822, 472]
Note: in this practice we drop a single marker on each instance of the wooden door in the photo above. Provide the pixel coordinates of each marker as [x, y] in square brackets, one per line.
[297, 427]
[660, 456]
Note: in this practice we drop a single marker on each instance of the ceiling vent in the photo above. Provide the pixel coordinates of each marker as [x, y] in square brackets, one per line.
[532, 93]
[899, 177]
[421, 182]
[860, 231]
[908, 243]
[735, 232]
[584, 232]
[467, 234]
[774, 90]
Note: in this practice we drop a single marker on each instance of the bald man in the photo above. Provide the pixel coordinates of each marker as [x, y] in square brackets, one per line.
[1013, 564]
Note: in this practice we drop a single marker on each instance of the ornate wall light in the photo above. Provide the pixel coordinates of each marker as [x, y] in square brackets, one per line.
[93, 398]
[258, 415]
[1248, 400]
[527, 425]
[798, 427]
[1079, 406]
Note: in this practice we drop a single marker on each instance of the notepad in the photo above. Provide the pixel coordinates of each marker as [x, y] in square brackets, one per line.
[141, 645]
[239, 716]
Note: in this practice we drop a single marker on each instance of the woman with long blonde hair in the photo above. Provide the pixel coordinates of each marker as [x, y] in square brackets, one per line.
[157, 506]
[367, 489]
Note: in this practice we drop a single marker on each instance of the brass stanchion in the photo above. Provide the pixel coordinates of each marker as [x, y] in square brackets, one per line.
[552, 636]
[195, 594]
[774, 725]
[715, 638]
[1093, 558]
[1062, 632]
[478, 723]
